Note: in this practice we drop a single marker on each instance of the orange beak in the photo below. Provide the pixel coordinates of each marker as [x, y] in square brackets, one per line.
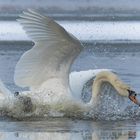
[132, 97]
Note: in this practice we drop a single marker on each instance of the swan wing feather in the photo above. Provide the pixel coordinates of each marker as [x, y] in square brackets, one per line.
[51, 57]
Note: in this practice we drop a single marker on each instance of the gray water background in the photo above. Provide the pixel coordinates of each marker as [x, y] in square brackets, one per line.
[124, 58]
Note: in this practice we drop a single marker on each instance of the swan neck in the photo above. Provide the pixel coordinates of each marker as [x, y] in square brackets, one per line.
[100, 79]
[97, 85]
[111, 78]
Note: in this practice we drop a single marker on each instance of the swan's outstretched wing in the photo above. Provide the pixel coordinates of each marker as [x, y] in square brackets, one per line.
[51, 57]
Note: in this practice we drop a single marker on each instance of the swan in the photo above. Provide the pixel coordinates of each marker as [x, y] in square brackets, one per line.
[45, 69]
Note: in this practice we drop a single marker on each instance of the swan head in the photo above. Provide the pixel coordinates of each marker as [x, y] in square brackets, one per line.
[125, 90]
[122, 88]
[132, 97]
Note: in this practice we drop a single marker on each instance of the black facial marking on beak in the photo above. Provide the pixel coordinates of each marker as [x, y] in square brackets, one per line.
[131, 92]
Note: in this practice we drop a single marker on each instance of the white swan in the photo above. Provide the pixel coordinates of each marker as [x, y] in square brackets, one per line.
[45, 70]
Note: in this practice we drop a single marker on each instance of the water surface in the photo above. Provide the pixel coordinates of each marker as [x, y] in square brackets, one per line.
[67, 129]
[105, 31]
[123, 58]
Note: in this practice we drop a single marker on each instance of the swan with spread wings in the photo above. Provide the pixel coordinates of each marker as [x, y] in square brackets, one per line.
[45, 68]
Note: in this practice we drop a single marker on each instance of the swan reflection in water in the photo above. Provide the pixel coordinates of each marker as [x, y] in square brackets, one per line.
[81, 135]
[99, 135]
[67, 129]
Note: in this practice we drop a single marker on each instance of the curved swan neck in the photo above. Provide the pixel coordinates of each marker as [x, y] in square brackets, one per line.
[100, 78]
[110, 77]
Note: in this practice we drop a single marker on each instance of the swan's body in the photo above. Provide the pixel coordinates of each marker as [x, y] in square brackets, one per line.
[45, 70]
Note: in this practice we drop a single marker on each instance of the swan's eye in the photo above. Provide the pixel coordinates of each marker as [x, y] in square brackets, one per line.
[132, 97]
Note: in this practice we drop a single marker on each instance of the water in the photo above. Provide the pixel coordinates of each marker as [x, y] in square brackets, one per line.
[124, 58]
[69, 129]
[104, 31]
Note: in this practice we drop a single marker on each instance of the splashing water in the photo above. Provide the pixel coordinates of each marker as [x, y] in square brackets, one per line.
[110, 106]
